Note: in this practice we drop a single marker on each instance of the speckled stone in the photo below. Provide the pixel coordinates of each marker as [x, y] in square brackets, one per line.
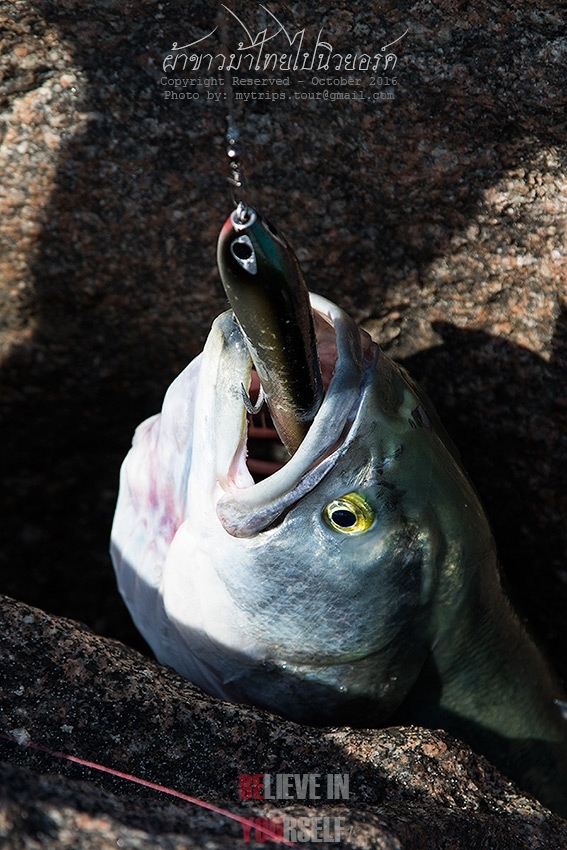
[437, 218]
[69, 690]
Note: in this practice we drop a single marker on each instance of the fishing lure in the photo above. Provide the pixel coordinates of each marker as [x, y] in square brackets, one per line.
[269, 298]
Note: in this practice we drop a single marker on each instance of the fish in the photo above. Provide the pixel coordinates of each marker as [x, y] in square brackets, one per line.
[355, 584]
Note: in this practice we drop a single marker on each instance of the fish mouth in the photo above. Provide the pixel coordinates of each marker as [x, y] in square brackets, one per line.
[255, 490]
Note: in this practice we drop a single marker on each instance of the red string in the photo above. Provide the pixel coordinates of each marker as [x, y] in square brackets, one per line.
[250, 824]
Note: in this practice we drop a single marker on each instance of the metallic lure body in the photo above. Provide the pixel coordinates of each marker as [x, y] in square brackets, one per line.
[355, 585]
[266, 290]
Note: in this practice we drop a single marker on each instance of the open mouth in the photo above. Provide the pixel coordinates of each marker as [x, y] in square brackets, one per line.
[266, 453]
[258, 477]
[306, 357]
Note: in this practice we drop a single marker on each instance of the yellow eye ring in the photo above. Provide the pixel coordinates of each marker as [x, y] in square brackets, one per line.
[349, 514]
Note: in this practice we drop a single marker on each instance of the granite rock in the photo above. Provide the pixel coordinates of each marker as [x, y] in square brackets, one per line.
[67, 690]
[433, 208]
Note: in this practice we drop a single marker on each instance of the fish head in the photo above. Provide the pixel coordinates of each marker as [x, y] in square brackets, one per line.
[315, 592]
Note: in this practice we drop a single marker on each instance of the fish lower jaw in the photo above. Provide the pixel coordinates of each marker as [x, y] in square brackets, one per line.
[338, 694]
[315, 665]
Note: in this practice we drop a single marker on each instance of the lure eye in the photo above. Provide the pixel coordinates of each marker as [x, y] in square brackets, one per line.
[349, 514]
[243, 252]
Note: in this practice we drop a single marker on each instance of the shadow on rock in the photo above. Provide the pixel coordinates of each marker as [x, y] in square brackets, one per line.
[506, 409]
[123, 283]
[74, 692]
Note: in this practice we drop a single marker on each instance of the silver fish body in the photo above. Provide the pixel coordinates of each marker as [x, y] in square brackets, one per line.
[356, 585]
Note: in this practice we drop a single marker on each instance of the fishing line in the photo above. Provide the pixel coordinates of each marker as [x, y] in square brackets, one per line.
[234, 149]
[154, 786]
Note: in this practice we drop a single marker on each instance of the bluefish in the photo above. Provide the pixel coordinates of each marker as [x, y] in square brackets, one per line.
[357, 584]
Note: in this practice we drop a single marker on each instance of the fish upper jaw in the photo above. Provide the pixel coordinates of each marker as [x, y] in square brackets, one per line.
[243, 507]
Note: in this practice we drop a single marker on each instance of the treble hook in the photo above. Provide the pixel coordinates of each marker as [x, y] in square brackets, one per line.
[252, 408]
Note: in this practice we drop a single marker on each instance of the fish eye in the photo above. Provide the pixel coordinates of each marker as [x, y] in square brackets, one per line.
[349, 514]
[243, 252]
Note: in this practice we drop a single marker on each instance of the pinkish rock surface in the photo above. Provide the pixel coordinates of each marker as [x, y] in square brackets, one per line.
[438, 218]
[69, 690]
